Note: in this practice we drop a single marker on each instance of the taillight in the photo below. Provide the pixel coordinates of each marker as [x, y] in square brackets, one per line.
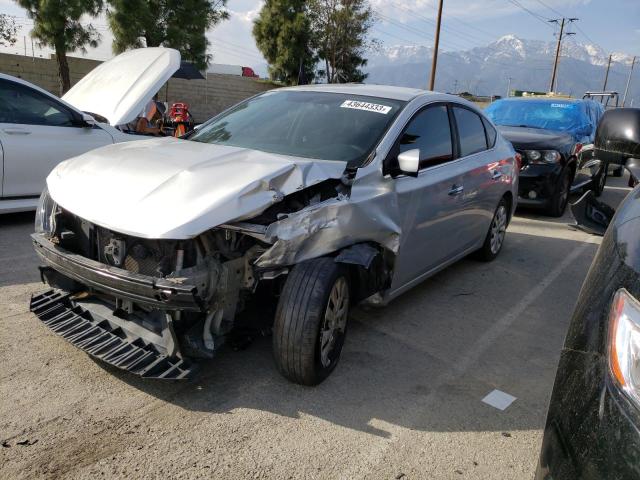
[518, 161]
[577, 149]
[624, 344]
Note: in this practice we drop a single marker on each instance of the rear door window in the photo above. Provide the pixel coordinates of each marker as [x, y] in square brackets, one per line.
[491, 133]
[471, 131]
[429, 131]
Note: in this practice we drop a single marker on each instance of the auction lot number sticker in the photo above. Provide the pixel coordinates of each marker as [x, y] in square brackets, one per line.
[369, 107]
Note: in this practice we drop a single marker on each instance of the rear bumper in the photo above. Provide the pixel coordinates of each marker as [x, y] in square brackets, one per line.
[150, 291]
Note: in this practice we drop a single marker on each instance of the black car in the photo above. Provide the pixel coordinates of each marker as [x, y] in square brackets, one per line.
[553, 137]
[593, 424]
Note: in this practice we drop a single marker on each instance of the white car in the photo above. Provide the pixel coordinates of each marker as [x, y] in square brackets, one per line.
[39, 130]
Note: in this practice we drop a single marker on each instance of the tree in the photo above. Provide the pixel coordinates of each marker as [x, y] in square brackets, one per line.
[8, 30]
[57, 25]
[340, 31]
[179, 24]
[282, 33]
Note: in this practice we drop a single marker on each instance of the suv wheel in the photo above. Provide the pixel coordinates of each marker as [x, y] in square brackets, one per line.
[495, 236]
[311, 320]
[600, 181]
[560, 197]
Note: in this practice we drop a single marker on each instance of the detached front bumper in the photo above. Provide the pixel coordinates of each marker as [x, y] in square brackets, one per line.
[107, 338]
[153, 292]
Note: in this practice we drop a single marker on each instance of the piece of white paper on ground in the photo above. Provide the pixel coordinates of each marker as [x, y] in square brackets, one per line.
[498, 399]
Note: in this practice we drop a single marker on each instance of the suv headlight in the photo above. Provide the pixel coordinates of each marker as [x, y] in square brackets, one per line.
[543, 156]
[45, 221]
[624, 344]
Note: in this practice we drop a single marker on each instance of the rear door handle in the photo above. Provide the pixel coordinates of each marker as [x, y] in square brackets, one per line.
[16, 131]
[456, 190]
[496, 174]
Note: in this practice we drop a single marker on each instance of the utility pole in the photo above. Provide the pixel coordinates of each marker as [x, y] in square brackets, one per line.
[558, 47]
[434, 62]
[455, 87]
[606, 75]
[509, 86]
[626, 89]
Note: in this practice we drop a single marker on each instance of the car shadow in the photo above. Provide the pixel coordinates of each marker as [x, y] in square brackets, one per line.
[425, 361]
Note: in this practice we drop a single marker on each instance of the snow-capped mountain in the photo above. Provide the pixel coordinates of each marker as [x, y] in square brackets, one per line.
[486, 70]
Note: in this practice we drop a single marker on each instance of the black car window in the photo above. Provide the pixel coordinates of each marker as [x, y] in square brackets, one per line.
[430, 132]
[491, 133]
[23, 105]
[470, 130]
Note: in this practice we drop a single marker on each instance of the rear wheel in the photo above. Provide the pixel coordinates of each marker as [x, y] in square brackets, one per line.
[560, 197]
[497, 231]
[311, 321]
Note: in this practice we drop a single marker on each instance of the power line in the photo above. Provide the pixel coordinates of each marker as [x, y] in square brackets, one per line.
[537, 16]
[555, 12]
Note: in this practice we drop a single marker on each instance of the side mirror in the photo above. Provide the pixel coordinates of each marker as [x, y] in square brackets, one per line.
[409, 162]
[88, 120]
[618, 136]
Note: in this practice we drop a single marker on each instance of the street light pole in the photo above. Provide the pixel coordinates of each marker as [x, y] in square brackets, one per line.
[434, 62]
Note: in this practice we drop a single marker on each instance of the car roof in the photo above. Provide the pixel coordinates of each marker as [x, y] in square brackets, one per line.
[365, 89]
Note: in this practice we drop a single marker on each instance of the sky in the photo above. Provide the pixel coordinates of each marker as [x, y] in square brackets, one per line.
[613, 25]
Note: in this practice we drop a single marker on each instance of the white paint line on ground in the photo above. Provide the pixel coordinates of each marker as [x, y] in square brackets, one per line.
[370, 458]
[499, 399]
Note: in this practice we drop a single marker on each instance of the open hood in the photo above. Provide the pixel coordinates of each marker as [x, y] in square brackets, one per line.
[120, 88]
[176, 189]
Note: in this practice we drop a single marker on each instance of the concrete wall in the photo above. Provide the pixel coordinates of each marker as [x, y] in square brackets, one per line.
[205, 97]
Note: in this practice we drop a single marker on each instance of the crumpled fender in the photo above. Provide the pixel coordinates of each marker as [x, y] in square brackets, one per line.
[367, 215]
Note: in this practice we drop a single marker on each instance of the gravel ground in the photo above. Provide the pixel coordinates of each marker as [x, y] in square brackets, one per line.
[405, 402]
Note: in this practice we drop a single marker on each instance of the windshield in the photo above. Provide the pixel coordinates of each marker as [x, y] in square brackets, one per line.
[318, 125]
[551, 115]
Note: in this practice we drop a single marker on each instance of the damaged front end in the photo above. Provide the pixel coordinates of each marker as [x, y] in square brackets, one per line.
[150, 306]
[142, 305]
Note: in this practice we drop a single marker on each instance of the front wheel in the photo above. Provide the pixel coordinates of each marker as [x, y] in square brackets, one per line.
[560, 197]
[600, 181]
[497, 231]
[311, 320]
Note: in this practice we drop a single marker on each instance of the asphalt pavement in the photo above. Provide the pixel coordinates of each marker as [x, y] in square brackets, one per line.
[404, 403]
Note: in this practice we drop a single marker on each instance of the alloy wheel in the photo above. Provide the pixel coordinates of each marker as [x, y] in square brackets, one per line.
[335, 320]
[498, 229]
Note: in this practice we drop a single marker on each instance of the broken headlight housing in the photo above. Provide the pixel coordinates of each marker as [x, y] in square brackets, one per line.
[45, 222]
[543, 156]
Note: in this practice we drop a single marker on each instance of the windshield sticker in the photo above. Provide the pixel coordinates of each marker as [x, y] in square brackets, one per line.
[369, 107]
[561, 105]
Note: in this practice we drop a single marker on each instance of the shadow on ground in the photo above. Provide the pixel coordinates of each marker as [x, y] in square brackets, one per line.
[398, 362]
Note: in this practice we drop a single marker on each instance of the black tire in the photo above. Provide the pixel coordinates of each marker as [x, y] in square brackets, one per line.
[560, 198]
[494, 240]
[600, 181]
[302, 315]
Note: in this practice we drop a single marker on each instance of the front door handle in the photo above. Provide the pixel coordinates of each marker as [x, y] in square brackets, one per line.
[16, 131]
[456, 190]
[496, 174]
